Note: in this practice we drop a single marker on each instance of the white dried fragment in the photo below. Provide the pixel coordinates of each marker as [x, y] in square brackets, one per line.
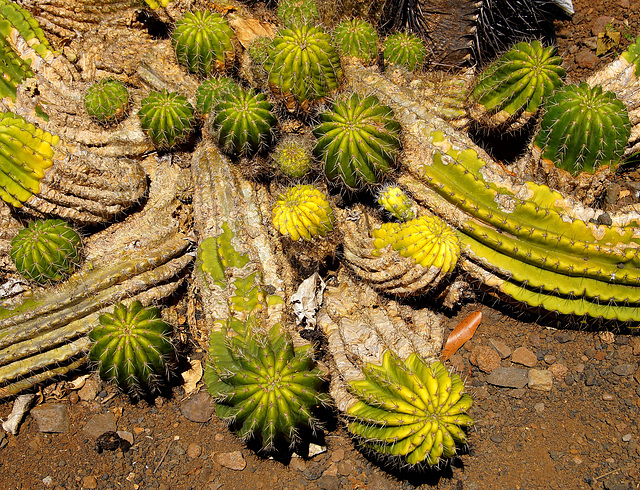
[20, 407]
[307, 300]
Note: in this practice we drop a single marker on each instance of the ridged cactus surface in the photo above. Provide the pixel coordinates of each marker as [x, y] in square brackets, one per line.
[107, 100]
[404, 49]
[13, 68]
[296, 13]
[292, 156]
[166, 117]
[357, 38]
[132, 347]
[632, 54]
[396, 202]
[212, 91]
[46, 251]
[358, 140]
[156, 4]
[303, 211]
[12, 16]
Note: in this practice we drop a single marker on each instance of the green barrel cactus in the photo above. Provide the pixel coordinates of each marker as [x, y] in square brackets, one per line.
[203, 42]
[46, 251]
[212, 91]
[303, 67]
[244, 122]
[292, 156]
[107, 100]
[166, 117]
[516, 84]
[412, 410]
[295, 13]
[395, 202]
[583, 128]
[26, 152]
[632, 55]
[132, 347]
[303, 212]
[358, 140]
[404, 49]
[357, 38]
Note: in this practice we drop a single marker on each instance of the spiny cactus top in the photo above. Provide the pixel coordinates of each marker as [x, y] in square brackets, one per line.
[358, 140]
[303, 66]
[295, 13]
[404, 49]
[632, 55]
[583, 128]
[518, 82]
[412, 410]
[303, 211]
[357, 38]
[203, 42]
[133, 347]
[107, 100]
[166, 117]
[26, 152]
[46, 251]
[210, 92]
[395, 202]
[292, 156]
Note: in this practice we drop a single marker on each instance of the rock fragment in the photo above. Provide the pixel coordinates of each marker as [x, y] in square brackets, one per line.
[51, 417]
[508, 377]
[540, 379]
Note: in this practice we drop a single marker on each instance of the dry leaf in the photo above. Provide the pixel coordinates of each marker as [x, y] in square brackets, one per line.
[248, 29]
[192, 376]
[463, 332]
[607, 40]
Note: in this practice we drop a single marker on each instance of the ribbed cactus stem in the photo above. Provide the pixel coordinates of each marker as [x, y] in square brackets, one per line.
[296, 13]
[211, 92]
[632, 55]
[396, 202]
[357, 38]
[166, 117]
[303, 211]
[404, 49]
[292, 156]
[107, 100]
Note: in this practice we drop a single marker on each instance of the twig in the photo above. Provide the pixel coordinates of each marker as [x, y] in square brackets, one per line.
[175, 438]
[607, 474]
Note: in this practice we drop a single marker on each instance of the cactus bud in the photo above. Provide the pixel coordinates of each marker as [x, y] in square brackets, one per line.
[166, 117]
[107, 100]
[303, 212]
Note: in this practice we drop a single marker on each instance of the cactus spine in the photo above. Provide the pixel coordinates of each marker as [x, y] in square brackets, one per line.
[212, 91]
[395, 202]
[357, 38]
[107, 100]
[294, 13]
[12, 16]
[166, 117]
[632, 55]
[404, 49]
[303, 212]
[292, 156]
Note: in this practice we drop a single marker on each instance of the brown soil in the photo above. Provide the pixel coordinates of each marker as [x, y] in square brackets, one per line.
[583, 433]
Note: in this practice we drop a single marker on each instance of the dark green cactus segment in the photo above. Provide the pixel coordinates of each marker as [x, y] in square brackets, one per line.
[357, 38]
[583, 128]
[107, 100]
[26, 152]
[632, 55]
[244, 122]
[211, 92]
[519, 80]
[404, 49]
[166, 117]
[132, 347]
[46, 251]
[303, 66]
[294, 13]
[203, 42]
[12, 16]
[358, 140]
[13, 68]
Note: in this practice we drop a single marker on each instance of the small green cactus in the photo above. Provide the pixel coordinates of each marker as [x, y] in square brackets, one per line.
[412, 410]
[203, 42]
[632, 55]
[583, 128]
[107, 100]
[516, 84]
[404, 49]
[46, 251]
[26, 152]
[358, 141]
[303, 67]
[357, 38]
[303, 211]
[294, 13]
[132, 347]
[292, 156]
[395, 202]
[243, 122]
[166, 117]
[210, 92]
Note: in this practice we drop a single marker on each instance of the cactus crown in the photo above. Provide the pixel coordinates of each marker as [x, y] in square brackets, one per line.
[357, 38]
[166, 117]
[303, 66]
[293, 13]
[632, 55]
[405, 49]
[358, 140]
[395, 202]
[203, 42]
[303, 211]
[107, 100]
[292, 156]
[132, 347]
[46, 251]
[583, 128]
[210, 92]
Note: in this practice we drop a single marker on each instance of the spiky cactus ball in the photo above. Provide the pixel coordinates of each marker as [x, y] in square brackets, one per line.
[166, 117]
[46, 251]
[107, 100]
[412, 410]
[212, 91]
[292, 156]
[357, 38]
[404, 49]
[515, 85]
[294, 13]
[203, 42]
[395, 202]
[303, 66]
[132, 347]
[583, 128]
[358, 140]
[244, 122]
[303, 212]
[428, 240]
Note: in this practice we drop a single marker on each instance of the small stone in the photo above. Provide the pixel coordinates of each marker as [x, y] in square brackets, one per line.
[297, 464]
[600, 24]
[540, 379]
[485, 358]
[517, 393]
[233, 460]
[345, 468]
[634, 342]
[625, 369]
[89, 482]
[73, 398]
[126, 435]
[314, 450]
[194, 450]
[501, 348]
[497, 438]
[555, 455]
[328, 482]
[332, 470]
[539, 407]
[337, 455]
[550, 359]
[607, 397]
[218, 437]
[51, 417]
[99, 424]
[509, 377]
[558, 370]
[563, 337]
[47, 481]
[636, 375]
[627, 437]
[90, 390]
[524, 356]
[457, 363]
[198, 408]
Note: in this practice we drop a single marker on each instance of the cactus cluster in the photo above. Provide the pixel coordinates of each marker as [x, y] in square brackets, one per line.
[294, 13]
[210, 92]
[303, 211]
[107, 100]
[292, 156]
[404, 49]
[203, 42]
[396, 202]
[358, 140]
[357, 38]
[132, 347]
[46, 251]
[166, 117]
[413, 410]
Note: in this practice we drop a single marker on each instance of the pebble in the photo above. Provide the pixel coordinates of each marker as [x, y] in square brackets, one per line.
[51, 417]
[539, 407]
[634, 342]
[550, 358]
[337, 455]
[607, 397]
[524, 356]
[332, 470]
[126, 435]
[540, 379]
[198, 408]
[328, 482]
[233, 460]
[298, 464]
[497, 438]
[625, 369]
[90, 390]
[509, 377]
[558, 370]
[485, 358]
[563, 337]
[194, 450]
[627, 437]
[600, 24]
[89, 482]
[99, 424]
[501, 348]
[315, 449]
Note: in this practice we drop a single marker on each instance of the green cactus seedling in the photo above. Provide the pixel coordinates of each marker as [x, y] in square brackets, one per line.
[107, 100]
[357, 38]
[292, 156]
[166, 117]
[295, 13]
[404, 49]
[212, 91]
[46, 251]
[303, 212]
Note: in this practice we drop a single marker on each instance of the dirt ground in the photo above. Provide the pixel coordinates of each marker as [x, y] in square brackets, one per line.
[583, 432]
